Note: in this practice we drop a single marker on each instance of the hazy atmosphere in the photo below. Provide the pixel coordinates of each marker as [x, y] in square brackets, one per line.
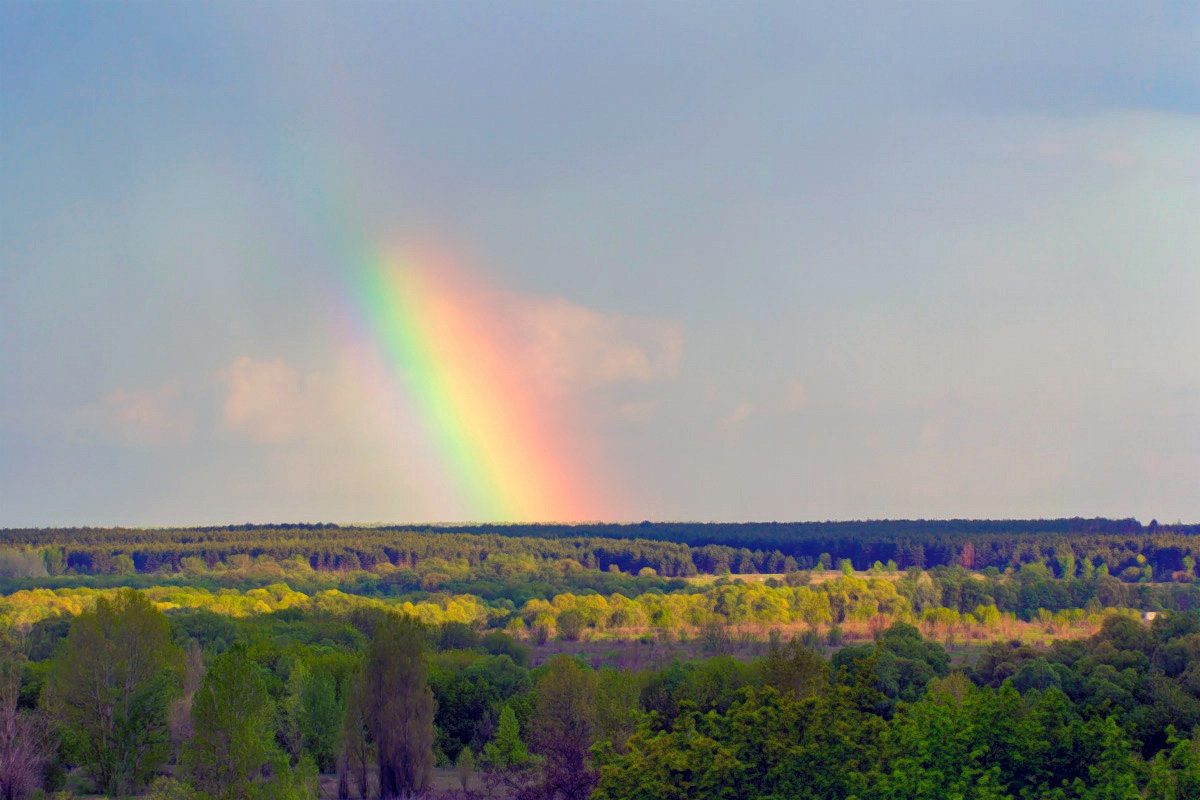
[499, 261]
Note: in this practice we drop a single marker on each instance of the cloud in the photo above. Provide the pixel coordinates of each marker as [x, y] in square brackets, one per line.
[740, 413]
[144, 417]
[781, 401]
[351, 404]
[570, 347]
[335, 442]
[270, 401]
[794, 398]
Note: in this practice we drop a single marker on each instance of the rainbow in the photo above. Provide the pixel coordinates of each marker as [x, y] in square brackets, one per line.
[508, 450]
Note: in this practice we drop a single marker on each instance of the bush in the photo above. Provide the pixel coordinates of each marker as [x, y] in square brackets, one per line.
[570, 625]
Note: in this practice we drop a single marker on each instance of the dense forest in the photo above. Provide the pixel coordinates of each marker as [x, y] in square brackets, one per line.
[672, 549]
[125, 699]
[1055, 659]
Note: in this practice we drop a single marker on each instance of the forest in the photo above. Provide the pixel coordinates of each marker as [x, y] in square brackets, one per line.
[1041, 659]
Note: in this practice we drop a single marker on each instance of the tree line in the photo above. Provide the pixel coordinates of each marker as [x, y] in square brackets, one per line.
[540, 600]
[1127, 548]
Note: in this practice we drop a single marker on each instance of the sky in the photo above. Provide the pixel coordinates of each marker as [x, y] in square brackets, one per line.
[475, 261]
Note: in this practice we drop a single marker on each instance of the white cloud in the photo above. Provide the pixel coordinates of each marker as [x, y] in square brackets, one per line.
[155, 416]
[273, 403]
[568, 346]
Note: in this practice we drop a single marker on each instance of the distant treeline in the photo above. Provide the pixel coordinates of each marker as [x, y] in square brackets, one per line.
[1127, 548]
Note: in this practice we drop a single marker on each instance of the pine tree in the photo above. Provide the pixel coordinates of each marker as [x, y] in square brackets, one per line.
[506, 750]
[1113, 774]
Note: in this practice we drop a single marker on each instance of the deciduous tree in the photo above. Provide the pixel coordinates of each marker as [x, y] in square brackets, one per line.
[563, 729]
[24, 739]
[110, 690]
[232, 753]
[400, 706]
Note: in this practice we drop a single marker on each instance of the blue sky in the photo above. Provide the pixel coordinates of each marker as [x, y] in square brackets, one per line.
[918, 262]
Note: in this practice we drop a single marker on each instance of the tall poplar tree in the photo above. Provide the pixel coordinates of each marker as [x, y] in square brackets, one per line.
[400, 706]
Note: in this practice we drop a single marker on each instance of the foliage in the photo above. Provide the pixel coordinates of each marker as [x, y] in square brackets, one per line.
[110, 689]
[400, 706]
[314, 715]
[355, 750]
[233, 744]
[361, 649]
[25, 742]
[506, 750]
[564, 728]
[469, 689]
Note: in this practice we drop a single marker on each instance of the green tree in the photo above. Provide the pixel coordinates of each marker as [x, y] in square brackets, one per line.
[1175, 771]
[506, 749]
[468, 687]
[292, 731]
[355, 749]
[617, 705]
[232, 752]
[767, 745]
[570, 625]
[936, 748]
[1113, 776]
[794, 669]
[564, 728]
[314, 715]
[320, 719]
[53, 558]
[110, 690]
[400, 706]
